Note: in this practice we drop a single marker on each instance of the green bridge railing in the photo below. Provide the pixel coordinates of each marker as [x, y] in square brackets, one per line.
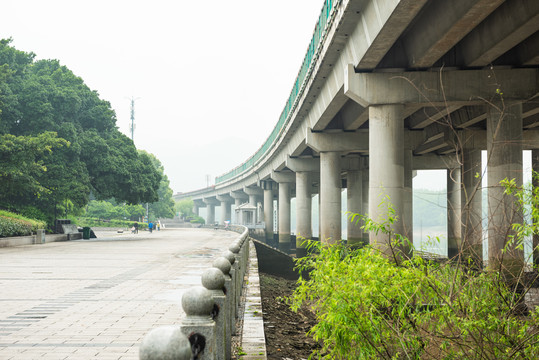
[304, 74]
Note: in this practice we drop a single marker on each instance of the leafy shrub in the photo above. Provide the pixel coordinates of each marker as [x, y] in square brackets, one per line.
[369, 307]
[16, 225]
[92, 222]
[196, 220]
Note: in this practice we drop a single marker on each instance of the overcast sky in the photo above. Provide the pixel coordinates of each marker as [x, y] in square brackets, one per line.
[210, 77]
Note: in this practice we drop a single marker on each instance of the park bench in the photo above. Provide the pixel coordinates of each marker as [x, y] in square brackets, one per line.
[72, 231]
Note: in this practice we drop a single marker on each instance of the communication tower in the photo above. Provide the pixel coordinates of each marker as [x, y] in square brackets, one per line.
[132, 126]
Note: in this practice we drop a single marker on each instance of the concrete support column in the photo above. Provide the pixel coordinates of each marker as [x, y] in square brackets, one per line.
[226, 201]
[354, 186]
[268, 215]
[284, 217]
[303, 211]
[365, 196]
[225, 212]
[330, 197]
[386, 165]
[254, 194]
[210, 215]
[504, 153]
[454, 239]
[535, 168]
[239, 198]
[306, 169]
[408, 196]
[471, 203]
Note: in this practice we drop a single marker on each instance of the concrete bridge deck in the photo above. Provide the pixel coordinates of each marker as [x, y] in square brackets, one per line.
[98, 298]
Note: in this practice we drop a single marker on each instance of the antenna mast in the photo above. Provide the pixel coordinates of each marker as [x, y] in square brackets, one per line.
[132, 126]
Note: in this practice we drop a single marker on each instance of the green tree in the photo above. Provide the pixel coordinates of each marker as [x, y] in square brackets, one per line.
[164, 207]
[43, 96]
[184, 208]
[23, 165]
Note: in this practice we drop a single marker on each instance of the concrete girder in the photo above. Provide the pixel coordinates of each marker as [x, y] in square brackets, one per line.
[454, 87]
[283, 177]
[511, 23]
[381, 23]
[238, 194]
[351, 116]
[267, 184]
[430, 115]
[353, 163]
[331, 110]
[211, 201]
[225, 198]
[437, 143]
[303, 164]
[199, 203]
[435, 162]
[339, 142]
[468, 116]
[531, 122]
[252, 191]
[427, 41]
[528, 51]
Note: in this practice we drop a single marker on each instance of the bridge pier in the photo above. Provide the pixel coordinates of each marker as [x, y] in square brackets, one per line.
[239, 198]
[226, 204]
[454, 237]
[330, 197]
[304, 168]
[504, 154]
[254, 193]
[210, 210]
[354, 186]
[471, 203]
[284, 180]
[268, 186]
[386, 166]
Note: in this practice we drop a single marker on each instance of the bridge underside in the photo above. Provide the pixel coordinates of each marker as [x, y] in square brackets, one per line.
[400, 86]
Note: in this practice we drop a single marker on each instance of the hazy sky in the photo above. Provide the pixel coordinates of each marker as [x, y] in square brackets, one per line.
[210, 77]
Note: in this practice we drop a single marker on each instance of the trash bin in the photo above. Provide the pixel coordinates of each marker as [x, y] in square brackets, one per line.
[86, 233]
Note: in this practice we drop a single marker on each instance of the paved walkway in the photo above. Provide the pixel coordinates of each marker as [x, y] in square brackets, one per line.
[98, 298]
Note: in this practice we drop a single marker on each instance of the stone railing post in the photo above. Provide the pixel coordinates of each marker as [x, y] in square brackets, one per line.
[198, 326]
[165, 342]
[213, 279]
[235, 249]
[224, 266]
[40, 237]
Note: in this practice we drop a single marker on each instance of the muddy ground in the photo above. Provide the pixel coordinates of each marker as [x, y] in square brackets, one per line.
[285, 330]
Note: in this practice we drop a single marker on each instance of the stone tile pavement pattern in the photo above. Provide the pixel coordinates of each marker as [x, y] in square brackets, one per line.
[98, 298]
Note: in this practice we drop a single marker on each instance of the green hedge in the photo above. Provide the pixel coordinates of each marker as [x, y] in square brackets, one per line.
[16, 225]
[93, 222]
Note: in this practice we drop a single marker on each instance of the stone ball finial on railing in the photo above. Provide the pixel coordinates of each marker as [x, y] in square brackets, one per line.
[165, 343]
[235, 247]
[198, 325]
[223, 264]
[213, 279]
[230, 257]
[197, 301]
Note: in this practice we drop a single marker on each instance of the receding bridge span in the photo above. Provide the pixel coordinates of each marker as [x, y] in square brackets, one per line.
[388, 87]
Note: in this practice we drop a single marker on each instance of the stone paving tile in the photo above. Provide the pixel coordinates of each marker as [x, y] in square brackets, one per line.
[98, 299]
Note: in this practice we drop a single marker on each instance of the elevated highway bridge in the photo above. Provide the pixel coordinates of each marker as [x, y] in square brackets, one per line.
[388, 87]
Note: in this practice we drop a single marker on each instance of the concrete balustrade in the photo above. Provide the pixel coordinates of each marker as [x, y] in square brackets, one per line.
[165, 343]
[214, 280]
[211, 311]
